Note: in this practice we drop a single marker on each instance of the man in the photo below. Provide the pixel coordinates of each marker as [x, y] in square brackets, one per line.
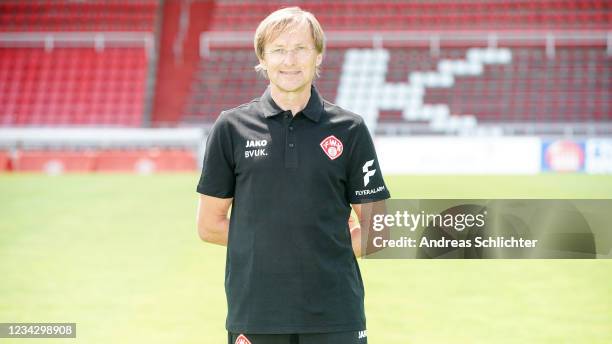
[291, 165]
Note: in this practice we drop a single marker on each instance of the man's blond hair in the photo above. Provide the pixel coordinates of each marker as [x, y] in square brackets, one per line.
[278, 22]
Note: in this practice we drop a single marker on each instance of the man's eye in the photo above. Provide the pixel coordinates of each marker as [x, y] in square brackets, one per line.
[300, 49]
[278, 51]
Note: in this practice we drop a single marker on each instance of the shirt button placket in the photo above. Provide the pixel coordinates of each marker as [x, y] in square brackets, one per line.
[291, 157]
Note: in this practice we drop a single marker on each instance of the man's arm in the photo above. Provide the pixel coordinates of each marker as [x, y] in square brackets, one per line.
[213, 224]
[363, 227]
[355, 230]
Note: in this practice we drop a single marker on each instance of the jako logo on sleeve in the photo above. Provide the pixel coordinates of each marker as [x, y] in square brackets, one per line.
[368, 173]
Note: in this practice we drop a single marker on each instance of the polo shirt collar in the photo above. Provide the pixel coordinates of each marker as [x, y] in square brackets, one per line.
[313, 109]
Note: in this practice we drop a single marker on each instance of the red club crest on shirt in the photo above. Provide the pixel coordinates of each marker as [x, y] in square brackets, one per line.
[242, 340]
[332, 147]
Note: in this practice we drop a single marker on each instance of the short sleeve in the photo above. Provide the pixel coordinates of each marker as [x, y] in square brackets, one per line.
[365, 181]
[218, 177]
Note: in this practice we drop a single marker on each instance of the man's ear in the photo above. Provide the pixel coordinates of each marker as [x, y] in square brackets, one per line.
[262, 63]
[319, 59]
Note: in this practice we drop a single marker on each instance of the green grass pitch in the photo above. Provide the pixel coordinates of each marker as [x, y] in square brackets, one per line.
[119, 255]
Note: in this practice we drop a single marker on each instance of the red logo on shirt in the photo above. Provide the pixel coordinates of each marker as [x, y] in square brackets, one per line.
[332, 147]
[242, 340]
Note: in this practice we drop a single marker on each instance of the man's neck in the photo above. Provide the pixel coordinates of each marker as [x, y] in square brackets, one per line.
[294, 101]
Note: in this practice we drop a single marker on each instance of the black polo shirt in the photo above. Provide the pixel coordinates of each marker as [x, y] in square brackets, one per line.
[290, 264]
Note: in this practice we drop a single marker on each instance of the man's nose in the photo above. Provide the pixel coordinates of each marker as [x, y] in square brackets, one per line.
[291, 57]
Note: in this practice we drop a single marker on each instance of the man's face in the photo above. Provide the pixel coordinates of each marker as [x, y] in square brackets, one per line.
[291, 59]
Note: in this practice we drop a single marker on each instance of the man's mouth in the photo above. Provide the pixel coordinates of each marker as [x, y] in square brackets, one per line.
[290, 72]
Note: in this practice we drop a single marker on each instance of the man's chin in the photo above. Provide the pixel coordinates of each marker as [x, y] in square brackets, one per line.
[291, 87]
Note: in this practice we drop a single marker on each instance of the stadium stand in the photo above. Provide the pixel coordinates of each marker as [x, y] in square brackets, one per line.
[440, 65]
[573, 86]
[555, 67]
[65, 15]
[428, 14]
[72, 86]
[75, 63]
